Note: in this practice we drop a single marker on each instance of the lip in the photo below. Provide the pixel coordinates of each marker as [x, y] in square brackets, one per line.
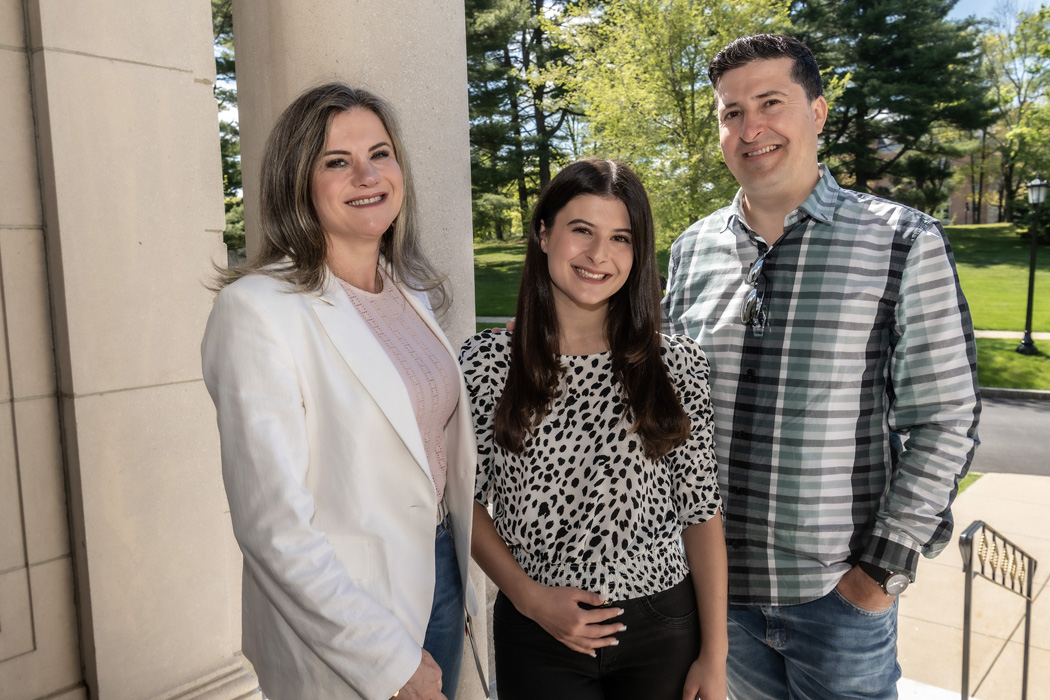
[367, 201]
[590, 275]
[762, 151]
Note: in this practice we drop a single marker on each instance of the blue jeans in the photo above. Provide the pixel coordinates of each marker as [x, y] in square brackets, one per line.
[826, 649]
[446, 629]
[661, 641]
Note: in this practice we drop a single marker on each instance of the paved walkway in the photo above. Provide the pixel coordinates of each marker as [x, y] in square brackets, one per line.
[931, 612]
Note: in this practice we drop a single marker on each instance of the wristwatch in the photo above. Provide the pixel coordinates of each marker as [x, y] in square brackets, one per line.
[892, 582]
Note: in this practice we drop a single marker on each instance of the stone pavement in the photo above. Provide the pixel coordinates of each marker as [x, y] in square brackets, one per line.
[931, 610]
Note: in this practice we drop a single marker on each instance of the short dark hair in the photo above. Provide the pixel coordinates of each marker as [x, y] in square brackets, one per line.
[764, 47]
[632, 326]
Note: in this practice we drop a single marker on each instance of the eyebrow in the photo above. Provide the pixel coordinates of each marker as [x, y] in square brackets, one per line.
[588, 223]
[334, 152]
[762, 96]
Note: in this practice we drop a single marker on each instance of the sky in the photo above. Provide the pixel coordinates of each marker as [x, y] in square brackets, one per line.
[985, 9]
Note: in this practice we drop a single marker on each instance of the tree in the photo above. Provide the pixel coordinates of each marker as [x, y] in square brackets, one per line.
[229, 135]
[1017, 55]
[639, 71]
[497, 139]
[518, 114]
[909, 70]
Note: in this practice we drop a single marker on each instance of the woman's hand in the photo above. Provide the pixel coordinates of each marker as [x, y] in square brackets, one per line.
[556, 609]
[425, 683]
[706, 679]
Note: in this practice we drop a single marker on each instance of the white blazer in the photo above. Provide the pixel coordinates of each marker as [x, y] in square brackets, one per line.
[331, 496]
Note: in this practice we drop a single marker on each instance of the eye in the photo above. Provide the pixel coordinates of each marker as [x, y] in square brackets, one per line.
[773, 101]
[622, 238]
[336, 162]
[381, 154]
[731, 114]
[582, 229]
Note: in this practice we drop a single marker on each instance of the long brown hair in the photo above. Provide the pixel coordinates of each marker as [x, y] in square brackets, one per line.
[632, 326]
[294, 247]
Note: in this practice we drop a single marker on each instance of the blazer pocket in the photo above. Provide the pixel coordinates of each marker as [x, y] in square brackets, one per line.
[358, 554]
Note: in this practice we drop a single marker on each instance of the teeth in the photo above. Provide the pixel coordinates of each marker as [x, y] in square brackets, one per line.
[761, 151]
[589, 275]
[362, 202]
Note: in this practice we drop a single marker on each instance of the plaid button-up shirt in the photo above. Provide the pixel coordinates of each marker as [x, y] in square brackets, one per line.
[846, 411]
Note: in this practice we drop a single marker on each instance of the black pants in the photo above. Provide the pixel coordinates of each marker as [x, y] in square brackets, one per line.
[661, 641]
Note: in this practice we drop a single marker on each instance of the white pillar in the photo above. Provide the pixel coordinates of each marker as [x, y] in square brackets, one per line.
[115, 247]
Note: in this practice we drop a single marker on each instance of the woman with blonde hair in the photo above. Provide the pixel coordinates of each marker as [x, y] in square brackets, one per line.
[347, 450]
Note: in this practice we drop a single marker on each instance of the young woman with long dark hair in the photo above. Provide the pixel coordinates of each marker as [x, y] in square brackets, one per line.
[595, 452]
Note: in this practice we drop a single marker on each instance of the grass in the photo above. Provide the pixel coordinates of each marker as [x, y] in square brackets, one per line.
[992, 261]
[967, 481]
[497, 275]
[993, 270]
[999, 365]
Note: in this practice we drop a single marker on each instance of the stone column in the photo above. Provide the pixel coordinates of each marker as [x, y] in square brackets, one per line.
[108, 264]
[39, 649]
[413, 54]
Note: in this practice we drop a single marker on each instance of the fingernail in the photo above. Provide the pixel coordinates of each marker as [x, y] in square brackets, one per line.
[622, 611]
[594, 655]
[623, 628]
[615, 643]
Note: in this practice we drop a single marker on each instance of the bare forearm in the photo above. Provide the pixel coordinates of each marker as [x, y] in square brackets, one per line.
[705, 549]
[495, 559]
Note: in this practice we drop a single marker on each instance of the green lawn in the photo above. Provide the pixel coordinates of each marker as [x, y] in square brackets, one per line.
[993, 269]
[497, 275]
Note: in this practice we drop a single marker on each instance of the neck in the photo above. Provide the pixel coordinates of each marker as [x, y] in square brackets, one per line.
[358, 267]
[765, 211]
[582, 331]
[765, 219]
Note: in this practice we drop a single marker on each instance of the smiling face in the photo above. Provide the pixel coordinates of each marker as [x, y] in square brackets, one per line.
[357, 188]
[589, 252]
[768, 131]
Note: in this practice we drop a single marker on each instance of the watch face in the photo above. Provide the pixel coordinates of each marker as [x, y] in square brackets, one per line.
[896, 584]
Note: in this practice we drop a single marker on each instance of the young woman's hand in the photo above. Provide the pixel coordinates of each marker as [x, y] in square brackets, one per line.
[557, 610]
[706, 679]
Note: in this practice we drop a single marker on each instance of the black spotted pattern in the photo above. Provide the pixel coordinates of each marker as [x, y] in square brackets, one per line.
[582, 506]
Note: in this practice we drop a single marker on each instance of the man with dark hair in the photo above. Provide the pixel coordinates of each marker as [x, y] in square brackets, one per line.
[844, 386]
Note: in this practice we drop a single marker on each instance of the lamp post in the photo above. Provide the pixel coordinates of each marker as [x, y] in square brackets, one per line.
[1036, 196]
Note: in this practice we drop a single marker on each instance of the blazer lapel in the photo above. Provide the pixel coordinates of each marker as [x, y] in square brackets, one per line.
[365, 357]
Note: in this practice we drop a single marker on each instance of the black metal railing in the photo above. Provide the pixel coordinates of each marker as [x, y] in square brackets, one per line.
[1000, 561]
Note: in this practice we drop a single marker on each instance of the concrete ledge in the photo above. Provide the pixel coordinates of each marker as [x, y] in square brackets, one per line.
[1022, 394]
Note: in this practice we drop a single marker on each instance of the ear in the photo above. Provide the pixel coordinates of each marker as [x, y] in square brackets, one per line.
[544, 235]
[820, 112]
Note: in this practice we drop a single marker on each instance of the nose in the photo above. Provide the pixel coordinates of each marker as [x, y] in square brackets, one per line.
[751, 127]
[598, 251]
[365, 173]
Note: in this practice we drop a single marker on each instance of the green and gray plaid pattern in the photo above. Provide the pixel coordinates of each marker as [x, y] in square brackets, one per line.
[846, 410]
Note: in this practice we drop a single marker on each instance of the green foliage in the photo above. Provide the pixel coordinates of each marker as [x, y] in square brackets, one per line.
[640, 74]
[910, 69]
[1015, 50]
[226, 95]
[233, 236]
[519, 117]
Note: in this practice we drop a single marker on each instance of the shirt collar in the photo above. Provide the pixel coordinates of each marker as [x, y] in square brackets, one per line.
[819, 205]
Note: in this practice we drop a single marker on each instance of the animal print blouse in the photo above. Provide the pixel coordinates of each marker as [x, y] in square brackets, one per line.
[582, 506]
